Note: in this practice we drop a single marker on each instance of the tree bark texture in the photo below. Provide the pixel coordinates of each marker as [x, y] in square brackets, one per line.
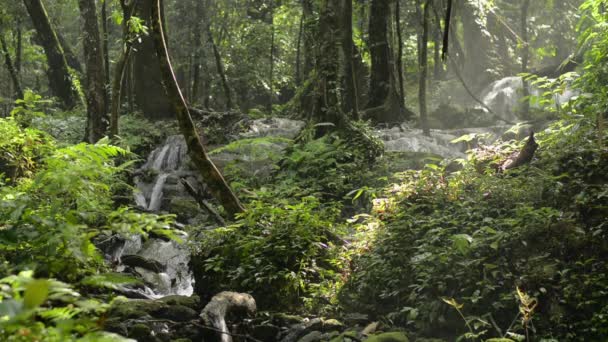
[219, 64]
[525, 56]
[383, 105]
[150, 96]
[209, 172]
[106, 50]
[97, 120]
[350, 100]
[326, 104]
[423, 66]
[59, 77]
[11, 68]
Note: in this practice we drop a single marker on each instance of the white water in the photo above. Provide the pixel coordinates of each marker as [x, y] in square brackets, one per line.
[504, 97]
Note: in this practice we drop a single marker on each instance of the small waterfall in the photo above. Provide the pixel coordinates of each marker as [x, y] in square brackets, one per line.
[162, 163]
[504, 97]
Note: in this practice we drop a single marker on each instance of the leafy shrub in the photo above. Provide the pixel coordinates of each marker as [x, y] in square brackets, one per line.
[48, 221]
[284, 254]
[48, 310]
[474, 235]
[21, 149]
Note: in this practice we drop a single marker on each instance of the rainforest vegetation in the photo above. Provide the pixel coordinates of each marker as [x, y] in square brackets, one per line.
[303, 170]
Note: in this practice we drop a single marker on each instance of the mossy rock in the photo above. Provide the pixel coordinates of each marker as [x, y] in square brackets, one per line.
[136, 308]
[347, 337]
[193, 302]
[389, 337]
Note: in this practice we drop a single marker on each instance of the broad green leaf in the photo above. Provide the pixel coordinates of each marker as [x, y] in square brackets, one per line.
[36, 293]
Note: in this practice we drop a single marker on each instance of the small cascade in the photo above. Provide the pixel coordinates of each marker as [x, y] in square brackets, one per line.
[276, 127]
[505, 95]
[161, 265]
[162, 163]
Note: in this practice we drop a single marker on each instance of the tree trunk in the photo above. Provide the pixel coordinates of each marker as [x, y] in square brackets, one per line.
[271, 62]
[326, 105]
[350, 101]
[19, 53]
[423, 61]
[106, 51]
[308, 36]
[298, 74]
[210, 174]
[120, 69]
[220, 68]
[70, 57]
[525, 57]
[97, 121]
[196, 42]
[11, 69]
[150, 96]
[383, 105]
[58, 73]
[399, 51]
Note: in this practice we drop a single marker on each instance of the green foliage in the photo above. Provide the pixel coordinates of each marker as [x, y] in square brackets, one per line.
[49, 219]
[474, 236]
[285, 254]
[48, 310]
[21, 150]
[28, 108]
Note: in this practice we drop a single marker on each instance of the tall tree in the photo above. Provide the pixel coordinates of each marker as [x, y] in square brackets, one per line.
[350, 101]
[525, 54]
[423, 66]
[97, 120]
[150, 96]
[384, 104]
[121, 67]
[60, 80]
[218, 186]
[219, 65]
[11, 68]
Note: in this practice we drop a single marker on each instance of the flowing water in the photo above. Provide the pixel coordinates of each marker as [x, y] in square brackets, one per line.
[504, 97]
[157, 181]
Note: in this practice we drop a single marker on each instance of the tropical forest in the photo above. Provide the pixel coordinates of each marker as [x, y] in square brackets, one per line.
[303, 170]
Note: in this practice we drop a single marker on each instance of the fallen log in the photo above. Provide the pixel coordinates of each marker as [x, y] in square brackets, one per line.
[522, 157]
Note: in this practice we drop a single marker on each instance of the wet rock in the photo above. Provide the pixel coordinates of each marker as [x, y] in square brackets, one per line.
[139, 261]
[178, 313]
[313, 336]
[298, 331]
[141, 332]
[349, 336]
[356, 318]
[266, 332]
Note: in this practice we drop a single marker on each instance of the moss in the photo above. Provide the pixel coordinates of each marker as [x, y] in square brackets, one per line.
[389, 337]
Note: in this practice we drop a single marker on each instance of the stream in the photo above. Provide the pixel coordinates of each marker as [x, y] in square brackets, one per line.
[158, 186]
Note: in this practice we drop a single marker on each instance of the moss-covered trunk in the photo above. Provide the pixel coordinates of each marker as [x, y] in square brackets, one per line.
[58, 73]
[209, 172]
